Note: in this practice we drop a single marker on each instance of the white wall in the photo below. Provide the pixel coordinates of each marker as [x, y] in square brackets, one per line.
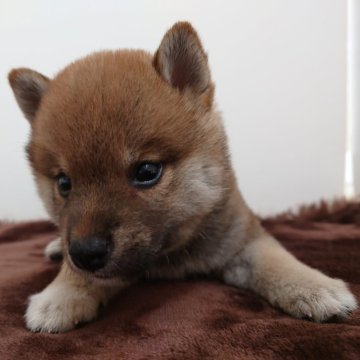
[279, 65]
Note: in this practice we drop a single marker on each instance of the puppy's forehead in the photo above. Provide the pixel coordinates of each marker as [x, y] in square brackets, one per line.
[113, 101]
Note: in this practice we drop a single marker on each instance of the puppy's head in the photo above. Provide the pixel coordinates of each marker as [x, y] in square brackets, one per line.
[127, 150]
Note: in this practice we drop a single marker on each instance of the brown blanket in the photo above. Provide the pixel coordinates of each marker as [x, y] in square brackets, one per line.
[193, 319]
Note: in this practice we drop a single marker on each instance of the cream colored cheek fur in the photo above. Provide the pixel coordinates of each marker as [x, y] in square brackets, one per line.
[199, 189]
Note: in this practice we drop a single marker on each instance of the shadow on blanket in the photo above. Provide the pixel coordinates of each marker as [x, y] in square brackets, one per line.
[188, 319]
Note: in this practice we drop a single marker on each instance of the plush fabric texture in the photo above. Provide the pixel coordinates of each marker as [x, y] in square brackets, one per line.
[194, 319]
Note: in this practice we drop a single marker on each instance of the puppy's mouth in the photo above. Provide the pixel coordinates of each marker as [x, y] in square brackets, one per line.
[131, 265]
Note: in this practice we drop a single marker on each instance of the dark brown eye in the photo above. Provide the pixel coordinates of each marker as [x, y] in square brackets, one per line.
[63, 184]
[147, 174]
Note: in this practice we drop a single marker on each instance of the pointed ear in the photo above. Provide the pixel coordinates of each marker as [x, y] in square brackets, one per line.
[181, 60]
[28, 87]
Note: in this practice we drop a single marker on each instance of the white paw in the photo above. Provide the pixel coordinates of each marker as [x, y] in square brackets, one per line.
[60, 307]
[53, 250]
[321, 301]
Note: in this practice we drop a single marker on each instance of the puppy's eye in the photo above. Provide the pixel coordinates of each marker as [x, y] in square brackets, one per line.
[147, 174]
[63, 184]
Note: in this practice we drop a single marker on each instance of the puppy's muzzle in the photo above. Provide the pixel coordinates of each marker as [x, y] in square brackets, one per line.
[90, 254]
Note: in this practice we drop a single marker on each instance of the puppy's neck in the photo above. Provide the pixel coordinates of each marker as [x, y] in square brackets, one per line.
[217, 237]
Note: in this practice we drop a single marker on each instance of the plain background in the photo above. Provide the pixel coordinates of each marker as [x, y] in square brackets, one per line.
[279, 66]
[353, 92]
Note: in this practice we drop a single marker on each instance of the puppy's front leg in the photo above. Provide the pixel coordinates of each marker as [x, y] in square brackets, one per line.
[268, 269]
[69, 300]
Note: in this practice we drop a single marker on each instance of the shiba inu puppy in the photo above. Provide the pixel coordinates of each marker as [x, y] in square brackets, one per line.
[131, 160]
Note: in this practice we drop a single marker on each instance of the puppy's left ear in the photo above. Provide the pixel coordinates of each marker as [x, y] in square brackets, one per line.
[28, 86]
[182, 62]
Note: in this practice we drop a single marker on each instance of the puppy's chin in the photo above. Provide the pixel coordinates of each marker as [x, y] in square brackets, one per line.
[110, 279]
[101, 277]
[107, 281]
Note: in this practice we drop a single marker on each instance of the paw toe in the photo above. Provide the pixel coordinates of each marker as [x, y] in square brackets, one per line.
[53, 250]
[328, 304]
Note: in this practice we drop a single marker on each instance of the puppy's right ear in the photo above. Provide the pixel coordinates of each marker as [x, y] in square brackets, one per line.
[28, 86]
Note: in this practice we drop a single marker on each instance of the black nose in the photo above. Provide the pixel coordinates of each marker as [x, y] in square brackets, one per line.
[89, 254]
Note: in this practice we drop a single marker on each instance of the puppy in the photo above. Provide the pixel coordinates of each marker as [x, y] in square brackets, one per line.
[131, 160]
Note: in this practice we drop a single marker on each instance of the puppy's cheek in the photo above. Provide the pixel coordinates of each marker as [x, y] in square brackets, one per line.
[198, 189]
[134, 248]
[46, 192]
[51, 200]
[130, 236]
